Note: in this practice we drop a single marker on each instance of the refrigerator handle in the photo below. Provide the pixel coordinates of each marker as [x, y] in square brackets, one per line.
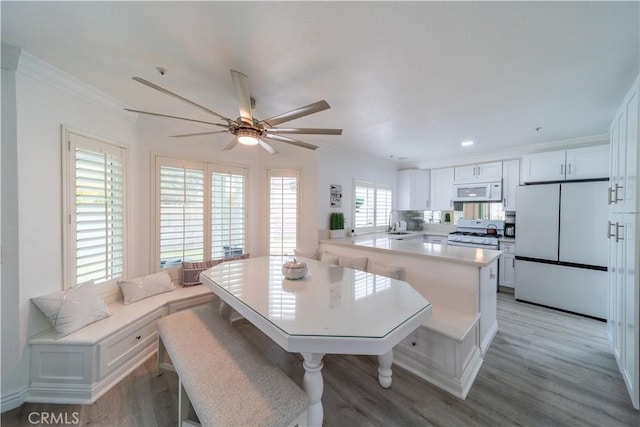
[569, 169]
[610, 191]
[618, 227]
[562, 169]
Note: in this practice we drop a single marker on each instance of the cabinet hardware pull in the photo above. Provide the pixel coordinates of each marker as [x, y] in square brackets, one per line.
[561, 169]
[569, 169]
[616, 199]
[513, 262]
[138, 337]
[610, 192]
[413, 343]
[609, 233]
[618, 227]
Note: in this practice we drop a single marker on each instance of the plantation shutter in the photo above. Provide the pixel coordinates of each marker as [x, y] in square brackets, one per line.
[372, 206]
[383, 205]
[181, 200]
[96, 234]
[228, 213]
[283, 212]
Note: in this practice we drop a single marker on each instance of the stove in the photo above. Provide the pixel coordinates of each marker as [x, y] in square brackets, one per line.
[472, 233]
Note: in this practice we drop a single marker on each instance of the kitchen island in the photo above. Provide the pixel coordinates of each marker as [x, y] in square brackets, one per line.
[461, 284]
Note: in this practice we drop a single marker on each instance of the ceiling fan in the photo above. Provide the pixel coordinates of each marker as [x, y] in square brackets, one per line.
[246, 129]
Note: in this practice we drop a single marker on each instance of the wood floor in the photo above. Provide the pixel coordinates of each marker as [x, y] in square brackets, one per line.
[544, 368]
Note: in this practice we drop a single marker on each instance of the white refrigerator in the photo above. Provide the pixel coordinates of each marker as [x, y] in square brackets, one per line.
[561, 246]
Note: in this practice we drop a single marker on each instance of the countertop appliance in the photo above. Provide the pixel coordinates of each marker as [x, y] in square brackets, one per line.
[510, 230]
[561, 252]
[473, 233]
[478, 192]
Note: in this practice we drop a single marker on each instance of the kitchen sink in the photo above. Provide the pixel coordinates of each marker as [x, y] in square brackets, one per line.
[398, 233]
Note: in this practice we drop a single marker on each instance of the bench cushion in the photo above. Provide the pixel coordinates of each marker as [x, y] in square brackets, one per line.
[228, 381]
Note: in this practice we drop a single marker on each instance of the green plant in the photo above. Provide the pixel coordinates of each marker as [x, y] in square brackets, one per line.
[336, 221]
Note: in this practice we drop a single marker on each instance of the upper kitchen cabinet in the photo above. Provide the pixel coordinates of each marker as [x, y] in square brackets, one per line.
[566, 165]
[481, 172]
[623, 179]
[413, 190]
[510, 182]
[442, 189]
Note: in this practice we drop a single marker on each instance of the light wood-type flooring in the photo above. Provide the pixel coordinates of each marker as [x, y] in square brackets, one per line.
[544, 368]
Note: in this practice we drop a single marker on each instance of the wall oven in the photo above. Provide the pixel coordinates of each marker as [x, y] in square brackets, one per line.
[480, 192]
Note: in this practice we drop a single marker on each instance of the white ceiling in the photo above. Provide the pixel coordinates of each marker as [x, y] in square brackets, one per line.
[404, 79]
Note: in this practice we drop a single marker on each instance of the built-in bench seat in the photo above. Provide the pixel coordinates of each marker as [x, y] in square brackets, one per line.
[82, 366]
[226, 379]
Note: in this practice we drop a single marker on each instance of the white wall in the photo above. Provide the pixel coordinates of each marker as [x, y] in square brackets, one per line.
[43, 105]
[342, 167]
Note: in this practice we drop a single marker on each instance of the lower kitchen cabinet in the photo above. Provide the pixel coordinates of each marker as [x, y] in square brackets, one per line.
[507, 265]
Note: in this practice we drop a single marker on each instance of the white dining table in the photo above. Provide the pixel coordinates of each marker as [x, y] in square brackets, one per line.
[332, 310]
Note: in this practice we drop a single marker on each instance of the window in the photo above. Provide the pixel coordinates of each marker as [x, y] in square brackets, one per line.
[94, 209]
[202, 211]
[372, 206]
[283, 211]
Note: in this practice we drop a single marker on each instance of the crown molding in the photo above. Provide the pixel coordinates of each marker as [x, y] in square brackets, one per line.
[32, 66]
[509, 153]
[10, 57]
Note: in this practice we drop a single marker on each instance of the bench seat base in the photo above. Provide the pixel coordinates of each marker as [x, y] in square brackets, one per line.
[443, 351]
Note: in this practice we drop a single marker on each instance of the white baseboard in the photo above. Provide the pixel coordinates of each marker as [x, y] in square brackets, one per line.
[14, 399]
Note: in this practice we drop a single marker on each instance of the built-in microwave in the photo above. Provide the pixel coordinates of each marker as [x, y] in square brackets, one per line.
[480, 192]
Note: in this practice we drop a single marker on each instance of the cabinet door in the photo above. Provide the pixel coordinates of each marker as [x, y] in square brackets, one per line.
[403, 195]
[487, 172]
[629, 180]
[442, 189]
[464, 174]
[630, 307]
[587, 162]
[507, 271]
[541, 167]
[419, 190]
[510, 182]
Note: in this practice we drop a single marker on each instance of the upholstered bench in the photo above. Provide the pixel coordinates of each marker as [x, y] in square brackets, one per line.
[227, 380]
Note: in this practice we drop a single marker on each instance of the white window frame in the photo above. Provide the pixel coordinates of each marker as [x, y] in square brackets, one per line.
[72, 138]
[283, 173]
[208, 168]
[375, 186]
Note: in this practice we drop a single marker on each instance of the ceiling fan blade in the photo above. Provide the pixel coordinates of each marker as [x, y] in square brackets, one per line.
[297, 113]
[304, 131]
[243, 95]
[176, 117]
[291, 141]
[186, 135]
[175, 95]
[232, 144]
[267, 147]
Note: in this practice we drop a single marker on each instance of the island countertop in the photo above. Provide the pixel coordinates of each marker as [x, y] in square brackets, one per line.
[446, 253]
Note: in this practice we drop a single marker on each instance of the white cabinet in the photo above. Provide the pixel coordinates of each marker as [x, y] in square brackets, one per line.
[413, 190]
[623, 180]
[507, 265]
[573, 164]
[442, 189]
[481, 172]
[510, 182]
[624, 298]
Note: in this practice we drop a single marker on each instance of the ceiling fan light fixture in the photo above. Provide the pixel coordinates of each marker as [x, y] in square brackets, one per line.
[247, 137]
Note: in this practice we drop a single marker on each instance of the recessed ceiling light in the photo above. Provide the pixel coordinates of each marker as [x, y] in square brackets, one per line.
[467, 143]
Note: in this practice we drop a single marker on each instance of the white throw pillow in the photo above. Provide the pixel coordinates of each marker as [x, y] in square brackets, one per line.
[355, 263]
[145, 286]
[73, 309]
[310, 255]
[329, 258]
[386, 270]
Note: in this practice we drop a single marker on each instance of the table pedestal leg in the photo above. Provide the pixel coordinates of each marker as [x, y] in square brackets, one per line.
[384, 369]
[225, 310]
[313, 385]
